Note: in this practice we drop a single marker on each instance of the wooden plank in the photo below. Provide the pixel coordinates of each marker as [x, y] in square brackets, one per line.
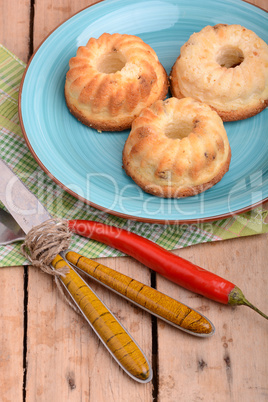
[51, 13]
[75, 365]
[230, 366]
[15, 26]
[14, 35]
[11, 333]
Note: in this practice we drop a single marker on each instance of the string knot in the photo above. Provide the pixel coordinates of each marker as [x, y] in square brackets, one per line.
[41, 245]
[43, 242]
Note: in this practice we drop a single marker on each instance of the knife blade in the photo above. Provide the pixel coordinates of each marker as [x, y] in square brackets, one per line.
[29, 212]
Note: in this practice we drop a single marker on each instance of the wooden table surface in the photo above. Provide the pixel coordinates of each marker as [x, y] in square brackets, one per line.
[48, 353]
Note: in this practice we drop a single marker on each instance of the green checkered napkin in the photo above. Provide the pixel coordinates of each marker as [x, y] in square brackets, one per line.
[16, 154]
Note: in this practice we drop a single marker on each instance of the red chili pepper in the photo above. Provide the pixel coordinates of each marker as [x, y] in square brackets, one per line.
[169, 265]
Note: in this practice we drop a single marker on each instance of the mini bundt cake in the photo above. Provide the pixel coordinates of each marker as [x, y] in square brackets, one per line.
[177, 148]
[225, 66]
[112, 79]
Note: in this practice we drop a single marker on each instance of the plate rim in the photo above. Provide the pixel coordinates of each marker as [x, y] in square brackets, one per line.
[90, 203]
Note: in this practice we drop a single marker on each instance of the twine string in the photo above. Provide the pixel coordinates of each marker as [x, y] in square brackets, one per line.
[42, 244]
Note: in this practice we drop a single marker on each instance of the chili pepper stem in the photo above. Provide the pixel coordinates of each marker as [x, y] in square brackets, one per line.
[237, 298]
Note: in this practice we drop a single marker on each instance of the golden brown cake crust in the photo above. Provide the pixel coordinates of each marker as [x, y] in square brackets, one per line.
[204, 71]
[242, 114]
[96, 124]
[177, 148]
[167, 192]
[112, 79]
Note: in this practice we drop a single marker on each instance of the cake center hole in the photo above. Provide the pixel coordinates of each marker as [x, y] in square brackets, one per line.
[179, 129]
[111, 63]
[230, 57]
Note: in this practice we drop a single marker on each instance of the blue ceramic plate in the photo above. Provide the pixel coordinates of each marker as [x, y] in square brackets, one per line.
[88, 164]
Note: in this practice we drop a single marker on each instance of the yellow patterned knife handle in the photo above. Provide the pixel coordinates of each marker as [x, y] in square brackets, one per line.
[114, 336]
[150, 299]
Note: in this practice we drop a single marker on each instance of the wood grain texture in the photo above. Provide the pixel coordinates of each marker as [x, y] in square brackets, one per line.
[11, 334]
[15, 26]
[14, 35]
[65, 360]
[48, 14]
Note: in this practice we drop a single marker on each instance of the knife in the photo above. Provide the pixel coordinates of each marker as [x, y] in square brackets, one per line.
[29, 212]
[149, 299]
